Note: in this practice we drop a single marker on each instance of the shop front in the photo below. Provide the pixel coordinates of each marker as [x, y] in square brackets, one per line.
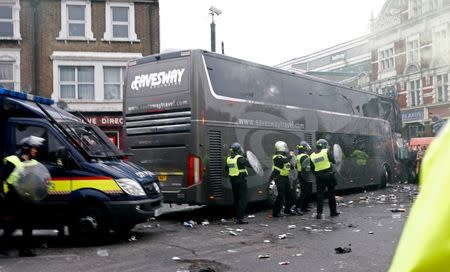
[110, 123]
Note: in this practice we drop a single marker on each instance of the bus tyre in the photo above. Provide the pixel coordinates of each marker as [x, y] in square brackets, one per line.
[272, 193]
[385, 175]
[88, 225]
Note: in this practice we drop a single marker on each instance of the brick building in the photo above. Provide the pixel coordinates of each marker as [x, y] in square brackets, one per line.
[408, 52]
[76, 51]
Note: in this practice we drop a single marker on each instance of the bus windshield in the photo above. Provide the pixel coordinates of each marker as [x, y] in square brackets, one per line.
[91, 141]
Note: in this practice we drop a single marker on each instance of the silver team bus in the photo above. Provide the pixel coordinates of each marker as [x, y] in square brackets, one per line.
[183, 110]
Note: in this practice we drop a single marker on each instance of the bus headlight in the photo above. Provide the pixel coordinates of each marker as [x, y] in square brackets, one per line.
[131, 187]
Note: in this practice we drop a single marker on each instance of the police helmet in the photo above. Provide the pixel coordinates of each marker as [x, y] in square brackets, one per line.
[303, 146]
[236, 148]
[321, 144]
[281, 146]
[31, 141]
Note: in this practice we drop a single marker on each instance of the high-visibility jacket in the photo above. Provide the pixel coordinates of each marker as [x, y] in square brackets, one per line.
[233, 169]
[13, 178]
[425, 241]
[286, 166]
[320, 160]
[360, 156]
[299, 161]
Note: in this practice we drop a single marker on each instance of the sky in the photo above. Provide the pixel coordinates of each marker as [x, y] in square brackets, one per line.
[263, 31]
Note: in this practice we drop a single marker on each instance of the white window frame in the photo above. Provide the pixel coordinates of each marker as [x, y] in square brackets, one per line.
[120, 82]
[431, 5]
[414, 51]
[418, 95]
[15, 5]
[440, 46]
[383, 60]
[445, 88]
[76, 82]
[414, 12]
[108, 35]
[64, 33]
[12, 56]
[98, 60]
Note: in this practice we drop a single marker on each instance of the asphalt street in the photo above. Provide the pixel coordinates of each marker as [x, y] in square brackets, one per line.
[367, 226]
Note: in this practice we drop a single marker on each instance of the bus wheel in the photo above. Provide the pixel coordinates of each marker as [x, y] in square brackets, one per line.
[385, 176]
[272, 193]
[88, 225]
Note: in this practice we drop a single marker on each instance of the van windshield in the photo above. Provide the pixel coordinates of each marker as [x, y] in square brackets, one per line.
[93, 142]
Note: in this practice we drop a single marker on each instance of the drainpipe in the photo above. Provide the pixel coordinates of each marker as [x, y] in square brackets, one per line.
[36, 47]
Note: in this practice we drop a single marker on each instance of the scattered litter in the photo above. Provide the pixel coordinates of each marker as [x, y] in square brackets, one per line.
[398, 210]
[379, 224]
[182, 271]
[292, 226]
[232, 233]
[363, 198]
[231, 251]
[282, 236]
[239, 230]
[132, 239]
[356, 230]
[251, 216]
[308, 228]
[370, 232]
[188, 225]
[267, 241]
[397, 216]
[263, 225]
[352, 226]
[338, 198]
[229, 229]
[223, 220]
[44, 246]
[328, 229]
[176, 258]
[350, 202]
[205, 223]
[342, 250]
[297, 255]
[102, 252]
[265, 256]
[152, 219]
[284, 263]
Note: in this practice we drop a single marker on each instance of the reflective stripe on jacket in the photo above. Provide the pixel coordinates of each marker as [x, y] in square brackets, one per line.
[320, 160]
[299, 161]
[286, 167]
[14, 176]
[233, 169]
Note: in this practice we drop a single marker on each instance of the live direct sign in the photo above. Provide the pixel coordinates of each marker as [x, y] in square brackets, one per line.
[106, 121]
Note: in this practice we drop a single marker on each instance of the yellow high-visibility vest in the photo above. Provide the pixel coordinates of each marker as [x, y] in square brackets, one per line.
[286, 167]
[233, 169]
[320, 160]
[299, 164]
[425, 241]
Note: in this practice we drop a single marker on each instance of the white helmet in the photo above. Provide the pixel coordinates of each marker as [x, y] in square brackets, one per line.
[281, 146]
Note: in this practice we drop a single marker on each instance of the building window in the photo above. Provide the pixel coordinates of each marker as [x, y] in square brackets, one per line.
[10, 69]
[113, 82]
[77, 82]
[386, 58]
[431, 5]
[412, 49]
[9, 20]
[76, 20]
[440, 43]
[415, 8]
[6, 75]
[442, 88]
[120, 22]
[414, 92]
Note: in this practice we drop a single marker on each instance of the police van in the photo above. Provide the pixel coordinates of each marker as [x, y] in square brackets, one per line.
[92, 189]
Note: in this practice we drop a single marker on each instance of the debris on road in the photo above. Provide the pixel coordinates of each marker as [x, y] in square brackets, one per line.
[370, 232]
[292, 226]
[284, 263]
[265, 256]
[232, 233]
[342, 250]
[398, 210]
[352, 226]
[282, 236]
[176, 258]
[205, 222]
[251, 216]
[239, 230]
[266, 241]
[187, 224]
[223, 220]
[263, 225]
[231, 251]
[103, 252]
[396, 216]
[297, 255]
[132, 239]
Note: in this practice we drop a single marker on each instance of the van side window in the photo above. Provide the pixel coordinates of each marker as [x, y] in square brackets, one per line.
[47, 152]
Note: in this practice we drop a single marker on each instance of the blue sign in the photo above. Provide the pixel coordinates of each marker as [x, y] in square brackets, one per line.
[413, 115]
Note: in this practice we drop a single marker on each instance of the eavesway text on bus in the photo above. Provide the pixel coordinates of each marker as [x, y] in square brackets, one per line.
[155, 80]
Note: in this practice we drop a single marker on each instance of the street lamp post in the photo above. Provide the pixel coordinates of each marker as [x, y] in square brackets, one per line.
[213, 11]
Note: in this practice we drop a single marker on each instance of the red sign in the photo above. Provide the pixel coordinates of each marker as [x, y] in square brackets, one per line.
[105, 121]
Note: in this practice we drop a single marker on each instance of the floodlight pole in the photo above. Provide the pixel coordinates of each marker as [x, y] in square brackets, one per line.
[213, 32]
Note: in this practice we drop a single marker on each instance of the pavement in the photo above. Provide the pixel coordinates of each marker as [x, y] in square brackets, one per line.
[367, 225]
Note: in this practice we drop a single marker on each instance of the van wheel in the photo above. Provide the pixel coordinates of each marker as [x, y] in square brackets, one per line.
[89, 225]
[385, 176]
[272, 193]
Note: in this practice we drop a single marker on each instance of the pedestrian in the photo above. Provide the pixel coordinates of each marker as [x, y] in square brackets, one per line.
[321, 165]
[14, 204]
[236, 169]
[424, 243]
[419, 157]
[280, 174]
[305, 177]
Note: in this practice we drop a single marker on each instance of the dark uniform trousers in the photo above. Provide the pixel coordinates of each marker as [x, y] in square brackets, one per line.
[326, 180]
[284, 195]
[240, 198]
[305, 193]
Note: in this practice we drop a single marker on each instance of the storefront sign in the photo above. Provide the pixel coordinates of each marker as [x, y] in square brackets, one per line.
[106, 121]
[413, 115]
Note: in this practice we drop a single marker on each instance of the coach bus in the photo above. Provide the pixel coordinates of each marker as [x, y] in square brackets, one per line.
[183, 110]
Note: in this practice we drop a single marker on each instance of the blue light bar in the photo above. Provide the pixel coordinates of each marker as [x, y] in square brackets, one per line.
[25, 96]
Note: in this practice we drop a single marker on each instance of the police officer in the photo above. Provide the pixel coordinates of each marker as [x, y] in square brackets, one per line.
[325, 179]
[20, 209]
[304, 176]
[280, 174]
[235, 167]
